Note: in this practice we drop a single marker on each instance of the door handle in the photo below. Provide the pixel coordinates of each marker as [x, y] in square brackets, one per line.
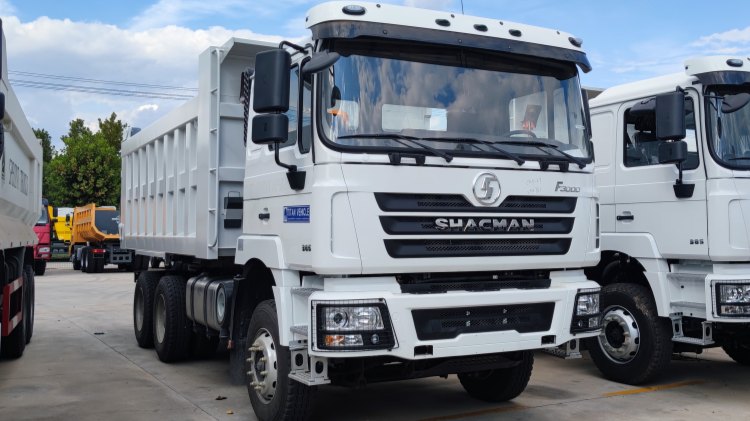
[625, 217]
[264, 216]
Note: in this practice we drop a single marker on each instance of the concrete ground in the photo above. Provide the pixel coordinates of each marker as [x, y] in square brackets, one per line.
[83, 363]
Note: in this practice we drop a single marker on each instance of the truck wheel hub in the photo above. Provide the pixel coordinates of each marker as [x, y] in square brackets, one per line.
[620, 338]
[139, 308]
[263, 366]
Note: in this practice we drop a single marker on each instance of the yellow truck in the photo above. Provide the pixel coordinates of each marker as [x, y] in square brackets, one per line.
[95, 239]
[61, 219]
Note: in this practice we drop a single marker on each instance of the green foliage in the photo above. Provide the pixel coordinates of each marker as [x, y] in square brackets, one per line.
[88, 168]
[48, 151]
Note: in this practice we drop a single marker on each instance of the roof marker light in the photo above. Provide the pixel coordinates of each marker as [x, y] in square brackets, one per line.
[443, 22]
[481, 28]
[515, 32]
[354, 9]
[734, 62]
[577, 42]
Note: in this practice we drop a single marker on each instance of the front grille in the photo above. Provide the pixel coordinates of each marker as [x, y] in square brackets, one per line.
[480, 247]
[417, 225]
[434, 324]
[407, 202]
[432, 283]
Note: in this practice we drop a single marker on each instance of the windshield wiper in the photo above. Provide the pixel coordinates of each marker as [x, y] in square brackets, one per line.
[539, 145]
[400, 138]
[503, 152]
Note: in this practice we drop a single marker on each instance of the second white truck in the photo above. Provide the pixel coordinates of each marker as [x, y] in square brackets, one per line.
[673, 172]
[408, 193]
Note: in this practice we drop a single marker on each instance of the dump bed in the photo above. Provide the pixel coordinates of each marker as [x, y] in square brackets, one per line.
[20, 171]
[95, 224]
[177, 172]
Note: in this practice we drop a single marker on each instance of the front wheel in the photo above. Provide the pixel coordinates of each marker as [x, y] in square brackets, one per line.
[273, 395]
[499, 385]
[738, 351]
[40, 266]
[635, 344]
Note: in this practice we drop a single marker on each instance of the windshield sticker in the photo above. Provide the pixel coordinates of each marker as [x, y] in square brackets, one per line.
[298, 214]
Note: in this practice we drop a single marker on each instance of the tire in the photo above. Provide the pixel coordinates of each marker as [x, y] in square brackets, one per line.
[76, 264]
[85, 260]
[143, 308]
[171, 329]
[645, 351]
[738, 351]
[98, 265]
[499, 385]
[278, 397]
[15, 343]
[40, 266]
[30, 298]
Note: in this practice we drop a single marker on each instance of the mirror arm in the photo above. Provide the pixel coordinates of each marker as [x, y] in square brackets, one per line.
[291, 168]
[299, 48]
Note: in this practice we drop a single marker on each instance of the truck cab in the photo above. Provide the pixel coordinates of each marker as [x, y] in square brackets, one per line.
[673, 172]
[42, 249]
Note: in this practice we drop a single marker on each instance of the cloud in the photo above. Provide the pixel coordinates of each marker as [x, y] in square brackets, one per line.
[159, 56]
[7, 8]
[445, 5]
[729, 39]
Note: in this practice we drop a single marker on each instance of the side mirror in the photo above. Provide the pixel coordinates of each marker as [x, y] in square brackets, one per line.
[2, 105]
[670, 116]
[320, 61]
[673, 152]
[271, 94]
[270, 128]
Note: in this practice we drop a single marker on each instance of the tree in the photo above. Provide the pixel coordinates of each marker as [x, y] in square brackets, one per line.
[48, 151]
[87, 170]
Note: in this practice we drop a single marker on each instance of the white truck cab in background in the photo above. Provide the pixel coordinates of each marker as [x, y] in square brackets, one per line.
[673, 173]
[408, 193]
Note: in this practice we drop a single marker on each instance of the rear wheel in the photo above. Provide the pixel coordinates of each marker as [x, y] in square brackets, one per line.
[501, 384]
[635, 344]
[738, 351]
[143, 308]
[76, 263]
[86, 260]
[15, 343]
[273, 394]
[28, 280]
[40, 266]
[171, 329]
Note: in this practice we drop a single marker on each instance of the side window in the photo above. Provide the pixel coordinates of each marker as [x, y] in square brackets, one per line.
[306, 138]
[291, 138]
[642, 147]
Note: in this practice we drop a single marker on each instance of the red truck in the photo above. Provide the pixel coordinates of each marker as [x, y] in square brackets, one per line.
[43, 249]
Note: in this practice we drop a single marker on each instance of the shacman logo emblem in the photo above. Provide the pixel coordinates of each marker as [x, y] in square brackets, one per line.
[487, 189]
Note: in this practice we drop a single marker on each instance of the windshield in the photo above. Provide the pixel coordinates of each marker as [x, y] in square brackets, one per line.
[452, 100]
[729, 125]
[44, 217]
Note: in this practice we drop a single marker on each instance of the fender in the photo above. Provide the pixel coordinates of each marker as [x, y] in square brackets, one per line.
[265, 248]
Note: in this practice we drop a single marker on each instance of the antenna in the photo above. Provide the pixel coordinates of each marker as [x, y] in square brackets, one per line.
[462, 7]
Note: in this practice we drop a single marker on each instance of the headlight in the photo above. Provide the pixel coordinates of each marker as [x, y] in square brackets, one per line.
[352, 325]
[587, 314]
[733, 298]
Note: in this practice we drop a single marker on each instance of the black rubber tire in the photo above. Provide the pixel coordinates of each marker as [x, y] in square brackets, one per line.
[146, 286]
[40, 266]
[30, 298]
[499, 385]
[739, 352]
[292, 400]
[655, 351]
[15, 343]
[76, 264]
[99, 265]
[85, 260]
[175, 345]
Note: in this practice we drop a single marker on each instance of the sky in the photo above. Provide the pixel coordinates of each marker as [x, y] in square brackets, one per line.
[158, 42]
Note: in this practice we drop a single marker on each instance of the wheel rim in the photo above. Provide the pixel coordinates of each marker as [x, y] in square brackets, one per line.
[620, 338]
[161, 316]
[262, 366]
[139, 309]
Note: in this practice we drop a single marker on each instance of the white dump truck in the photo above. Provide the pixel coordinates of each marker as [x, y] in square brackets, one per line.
[20, 207]
[408, 193]
[673, 172]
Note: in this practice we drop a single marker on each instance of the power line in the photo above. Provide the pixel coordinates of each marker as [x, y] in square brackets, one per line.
[101, 81]
[96, 90]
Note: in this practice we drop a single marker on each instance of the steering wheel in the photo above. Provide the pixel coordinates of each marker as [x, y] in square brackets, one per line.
[528, 133]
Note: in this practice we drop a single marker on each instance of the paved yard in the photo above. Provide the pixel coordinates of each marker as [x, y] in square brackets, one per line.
[83, 363]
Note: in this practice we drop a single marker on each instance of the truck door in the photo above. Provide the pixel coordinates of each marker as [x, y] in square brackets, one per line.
[646, 202]
[272, 206]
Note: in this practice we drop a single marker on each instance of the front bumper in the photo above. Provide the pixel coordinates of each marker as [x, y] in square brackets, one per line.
[411, 342]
